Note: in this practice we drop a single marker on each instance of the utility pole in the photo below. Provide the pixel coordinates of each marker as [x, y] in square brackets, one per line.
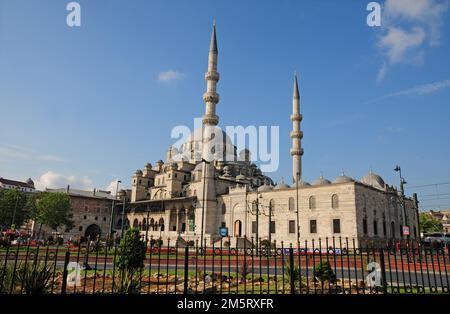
[112, 211]
[402, 190]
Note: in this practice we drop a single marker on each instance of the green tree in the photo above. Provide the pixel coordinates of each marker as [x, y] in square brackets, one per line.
[53, 210]
[428, 223]
[131, 251]
[15, 205]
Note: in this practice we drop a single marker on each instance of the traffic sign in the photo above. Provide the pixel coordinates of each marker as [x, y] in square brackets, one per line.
[406, 230]
[223, 231]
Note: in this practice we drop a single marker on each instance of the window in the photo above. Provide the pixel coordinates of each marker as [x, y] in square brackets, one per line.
[334, 201]
[384, 228]
[272, 227]
[375, 227]
[313, 226]
[393, 229]
[364, 225]
[291, 226]
[291, 203]
[312, 202]
[80, 229]
[175, 175]
[336, 226]
[104, 218]
[96, 218]
[254, 226]
[84, 217]
[237, 228]
[224, 210]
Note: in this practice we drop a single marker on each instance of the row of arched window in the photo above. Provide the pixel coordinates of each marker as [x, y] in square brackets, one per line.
[152, 225]
[292, 204]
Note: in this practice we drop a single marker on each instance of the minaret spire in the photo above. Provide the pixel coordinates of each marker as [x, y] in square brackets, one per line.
[296, 134]
[210, 97]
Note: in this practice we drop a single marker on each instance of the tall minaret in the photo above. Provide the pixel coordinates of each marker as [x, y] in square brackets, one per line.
[296, 134]
[211, 98]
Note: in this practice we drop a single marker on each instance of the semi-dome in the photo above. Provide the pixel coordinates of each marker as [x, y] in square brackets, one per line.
[374, 180]
[343, 179]
[321, 181]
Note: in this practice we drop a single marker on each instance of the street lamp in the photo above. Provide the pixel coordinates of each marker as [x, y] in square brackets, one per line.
[112, 211]
[402, 190]
[203, 202]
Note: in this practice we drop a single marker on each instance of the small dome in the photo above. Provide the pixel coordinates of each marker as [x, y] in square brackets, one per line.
[265, 188]
[321, 181]
[303, 183]
[138, 172]
[343, 179]
[241, 177]
[373, 180]
[281, 185]
[174, 166]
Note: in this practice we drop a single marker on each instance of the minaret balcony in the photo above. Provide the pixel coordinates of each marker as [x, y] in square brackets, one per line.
[297, 152]
[296, 117]
[297, 134]
[210, 120]
[211, 97]
[212, 76]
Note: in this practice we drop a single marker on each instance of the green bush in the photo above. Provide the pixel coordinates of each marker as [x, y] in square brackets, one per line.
[131, 253]
[324, 272]
[6, 278]
[35, 277]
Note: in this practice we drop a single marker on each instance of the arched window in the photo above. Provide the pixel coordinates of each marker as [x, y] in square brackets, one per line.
[161, 224]
[144, 225]
[334, 201]
[291, 203]
[254, 206]
[135, 223]
[140, 226]
[152, 224]
[312, 202]
[237, 228]
[224, 209]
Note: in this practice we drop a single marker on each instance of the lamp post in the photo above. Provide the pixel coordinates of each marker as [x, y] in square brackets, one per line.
[402, 190]
[15, 210]
[203, 203]
[123, 216]
[298, 213]
[112, 211]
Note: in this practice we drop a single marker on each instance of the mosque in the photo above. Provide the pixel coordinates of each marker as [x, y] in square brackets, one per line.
[205, 194]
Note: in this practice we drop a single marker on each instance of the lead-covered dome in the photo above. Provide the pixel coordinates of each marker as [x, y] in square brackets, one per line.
[374, 180]
[321, 181]
[221, 145]
[343, 179]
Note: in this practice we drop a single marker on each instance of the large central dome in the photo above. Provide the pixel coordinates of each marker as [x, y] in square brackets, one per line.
[219, 145]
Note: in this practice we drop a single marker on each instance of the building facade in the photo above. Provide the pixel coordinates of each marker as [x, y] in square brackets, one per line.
[203, 191]
[27, 186]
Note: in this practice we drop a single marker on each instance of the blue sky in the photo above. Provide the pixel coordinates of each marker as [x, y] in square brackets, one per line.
[85, 105]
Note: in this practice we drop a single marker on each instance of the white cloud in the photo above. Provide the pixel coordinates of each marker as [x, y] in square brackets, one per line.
[398, 42]
[419, 90]
[112, 187]
[54, 180]
[169, 76]
[408, 26]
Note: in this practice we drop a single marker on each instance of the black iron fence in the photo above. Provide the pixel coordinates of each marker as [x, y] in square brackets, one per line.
[332, 265]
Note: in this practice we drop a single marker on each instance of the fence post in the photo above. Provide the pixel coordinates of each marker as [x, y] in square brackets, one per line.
[383, 271]
[65, 272]
[186, 269]
[291, 269]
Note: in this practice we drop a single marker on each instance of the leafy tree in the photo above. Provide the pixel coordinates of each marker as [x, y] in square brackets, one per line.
[324, 272]
[428, 223]
[131, 251]
[20, 202]
[53, 210]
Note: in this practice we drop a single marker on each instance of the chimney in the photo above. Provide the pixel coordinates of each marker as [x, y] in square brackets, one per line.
[67, 189]
[94, 191]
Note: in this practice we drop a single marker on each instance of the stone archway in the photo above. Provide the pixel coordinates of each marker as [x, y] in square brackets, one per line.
[93, 231]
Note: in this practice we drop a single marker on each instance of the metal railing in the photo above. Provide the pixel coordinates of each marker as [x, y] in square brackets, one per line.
[331, 265]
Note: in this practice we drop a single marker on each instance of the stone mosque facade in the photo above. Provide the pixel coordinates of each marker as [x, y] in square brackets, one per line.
[188, 194]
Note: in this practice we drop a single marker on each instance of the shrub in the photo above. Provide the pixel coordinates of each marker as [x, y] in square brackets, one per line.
[324, 272]
[131, 252]
[6, 278]
[130, 283]
[35, 277]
